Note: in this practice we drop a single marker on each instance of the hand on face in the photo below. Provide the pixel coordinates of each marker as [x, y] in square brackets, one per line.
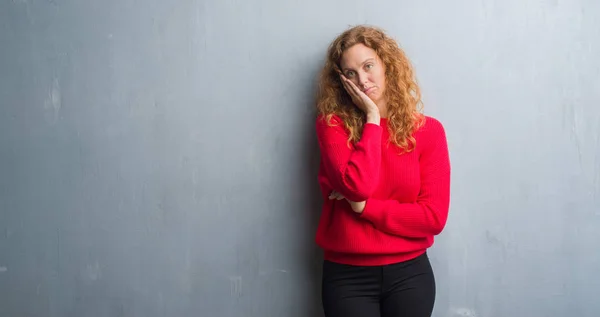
[362, 74]
[359, 98]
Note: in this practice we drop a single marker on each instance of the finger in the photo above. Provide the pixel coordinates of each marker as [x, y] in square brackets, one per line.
[352, 89]
[346, 86]
[347, 82]
[355, 88]
[336, 195]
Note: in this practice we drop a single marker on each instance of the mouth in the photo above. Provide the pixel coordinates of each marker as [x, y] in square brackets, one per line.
[369, 90]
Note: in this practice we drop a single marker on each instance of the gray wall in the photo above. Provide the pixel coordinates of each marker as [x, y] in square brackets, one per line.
[158, 158]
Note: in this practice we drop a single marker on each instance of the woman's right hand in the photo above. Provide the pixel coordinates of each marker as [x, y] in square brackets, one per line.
[361, 100]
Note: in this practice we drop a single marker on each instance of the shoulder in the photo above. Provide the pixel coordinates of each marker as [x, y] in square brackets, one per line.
[431, 135]
[433, 123]
[328, 120]
[330, 129]
[329, 123]
[432, 127]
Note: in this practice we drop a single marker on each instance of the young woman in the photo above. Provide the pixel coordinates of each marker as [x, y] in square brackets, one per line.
[385, 178]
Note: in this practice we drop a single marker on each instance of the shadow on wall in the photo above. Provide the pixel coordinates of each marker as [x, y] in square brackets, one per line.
[312, 254]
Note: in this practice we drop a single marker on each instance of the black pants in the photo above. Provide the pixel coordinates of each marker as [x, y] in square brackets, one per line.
[404, 289]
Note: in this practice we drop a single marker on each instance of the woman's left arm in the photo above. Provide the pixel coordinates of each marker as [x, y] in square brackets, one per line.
[427, 216]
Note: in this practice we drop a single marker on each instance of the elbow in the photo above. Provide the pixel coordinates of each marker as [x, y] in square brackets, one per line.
[358, 188]
[437, 220]
[355, 194]
[438, 224]
[437, 228]
[357, 191]
[353, 183]
[360, 196]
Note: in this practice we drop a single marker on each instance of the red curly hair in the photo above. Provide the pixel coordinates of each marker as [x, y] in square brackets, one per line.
[402, 92]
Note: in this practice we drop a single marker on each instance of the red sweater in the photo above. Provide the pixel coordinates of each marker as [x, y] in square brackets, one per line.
[407, 195]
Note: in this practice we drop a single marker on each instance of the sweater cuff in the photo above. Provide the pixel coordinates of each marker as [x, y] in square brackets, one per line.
[371, 129]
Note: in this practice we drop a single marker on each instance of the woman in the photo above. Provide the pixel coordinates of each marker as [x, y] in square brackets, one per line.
[385, 177]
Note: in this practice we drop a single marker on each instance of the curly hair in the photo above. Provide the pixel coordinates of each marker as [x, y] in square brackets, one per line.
[402, 92]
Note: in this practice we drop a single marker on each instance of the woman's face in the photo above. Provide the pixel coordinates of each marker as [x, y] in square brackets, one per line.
[365, 69]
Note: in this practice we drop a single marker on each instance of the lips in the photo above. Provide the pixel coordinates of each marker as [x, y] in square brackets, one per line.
[368, 90]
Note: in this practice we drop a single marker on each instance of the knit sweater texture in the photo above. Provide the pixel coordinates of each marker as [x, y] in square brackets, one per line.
[407, 194]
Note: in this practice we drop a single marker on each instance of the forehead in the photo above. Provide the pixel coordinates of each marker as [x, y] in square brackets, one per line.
[356, 55]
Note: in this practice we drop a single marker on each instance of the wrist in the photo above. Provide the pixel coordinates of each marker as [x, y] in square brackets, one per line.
[373, 117]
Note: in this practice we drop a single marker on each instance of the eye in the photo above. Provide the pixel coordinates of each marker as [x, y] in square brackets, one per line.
[349, 73]
[369, 66]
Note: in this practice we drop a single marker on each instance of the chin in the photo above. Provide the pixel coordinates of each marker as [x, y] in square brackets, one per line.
[374, 96]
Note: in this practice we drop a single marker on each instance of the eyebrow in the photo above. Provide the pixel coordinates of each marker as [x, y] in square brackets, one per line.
[370, 59]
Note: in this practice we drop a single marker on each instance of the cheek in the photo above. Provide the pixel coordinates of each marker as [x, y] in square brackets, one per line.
[382, 76]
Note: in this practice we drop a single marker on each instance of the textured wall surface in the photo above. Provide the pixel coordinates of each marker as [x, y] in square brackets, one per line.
[158, 158]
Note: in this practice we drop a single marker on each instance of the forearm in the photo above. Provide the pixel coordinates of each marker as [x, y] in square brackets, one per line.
[414, 220]
[354, 173]
[352, 170]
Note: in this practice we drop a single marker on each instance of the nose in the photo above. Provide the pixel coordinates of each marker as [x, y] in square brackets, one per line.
[362, 79]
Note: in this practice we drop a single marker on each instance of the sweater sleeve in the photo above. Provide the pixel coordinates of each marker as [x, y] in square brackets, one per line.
[352, 169]
[428, 214]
